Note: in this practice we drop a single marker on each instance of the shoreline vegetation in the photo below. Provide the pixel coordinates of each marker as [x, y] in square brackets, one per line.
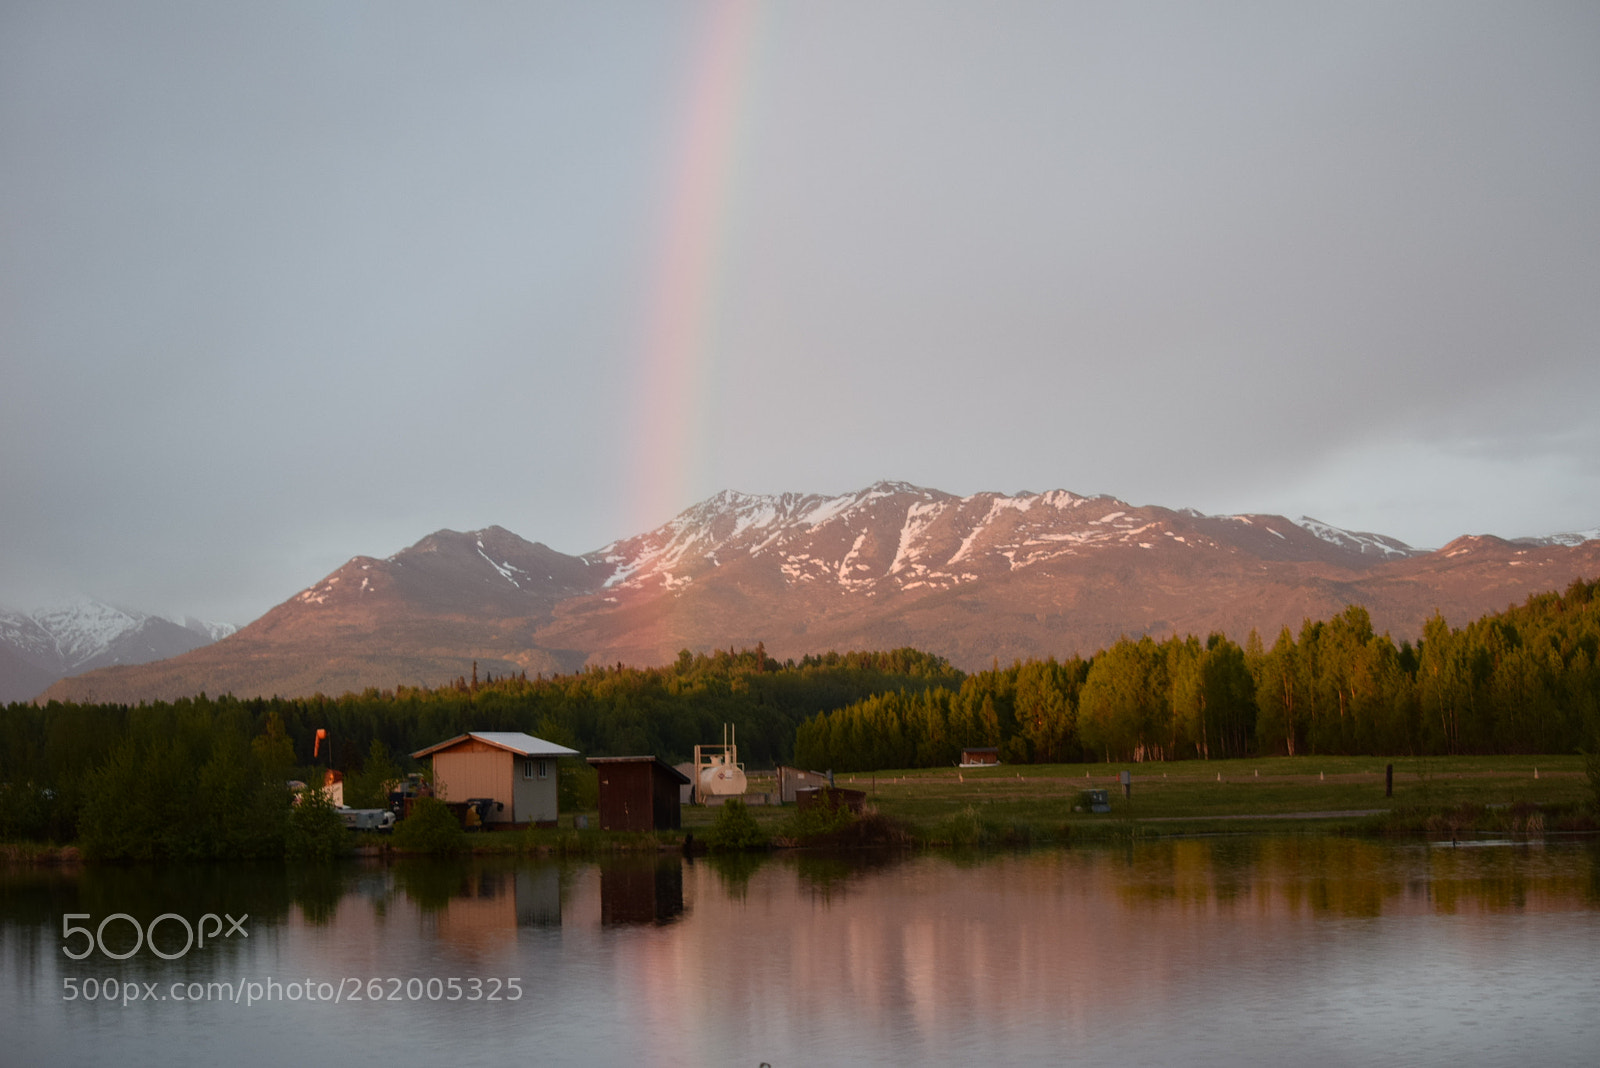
[1524, 798]
[1213, 732]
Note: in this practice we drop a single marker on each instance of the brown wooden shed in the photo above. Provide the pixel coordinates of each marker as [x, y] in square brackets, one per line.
[639, 793]
[979, 757]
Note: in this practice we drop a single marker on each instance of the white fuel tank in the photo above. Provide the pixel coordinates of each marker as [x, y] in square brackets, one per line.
[722, 780]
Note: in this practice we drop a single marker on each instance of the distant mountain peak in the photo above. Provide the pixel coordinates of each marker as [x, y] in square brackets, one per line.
[211, 631]
[81, 627]
[80, 633]
[1568, 538]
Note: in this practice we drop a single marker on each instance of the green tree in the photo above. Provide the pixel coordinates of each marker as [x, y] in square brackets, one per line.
[1278, 693]
[272, 747]
[1228, 699]
[1123, 712]
[315, 833]
[1444, 686]
[369, 788]
[1045, 715]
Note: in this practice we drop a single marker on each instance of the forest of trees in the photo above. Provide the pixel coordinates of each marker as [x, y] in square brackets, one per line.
[1521, 681]
[204, 777]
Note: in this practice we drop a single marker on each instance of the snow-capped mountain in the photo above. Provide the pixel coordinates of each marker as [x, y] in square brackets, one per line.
[968, 577]
[905, 537]
[38, 647]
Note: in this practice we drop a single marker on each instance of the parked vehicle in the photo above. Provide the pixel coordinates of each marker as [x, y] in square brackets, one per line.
[367, 819]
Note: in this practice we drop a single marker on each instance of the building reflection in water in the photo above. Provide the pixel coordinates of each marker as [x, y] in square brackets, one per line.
[641, 890]
[484, 905]
[1200, 951]
[931, 953]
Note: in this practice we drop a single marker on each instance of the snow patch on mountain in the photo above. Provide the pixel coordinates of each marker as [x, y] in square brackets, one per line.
[509, 572]
[1364, 542]
[849, 565]
[320, 593]
[996, 507]
[211, 630]
[1568, 538]
[919, 516]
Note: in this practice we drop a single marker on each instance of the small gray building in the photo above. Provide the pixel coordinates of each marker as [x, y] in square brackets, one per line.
[515, 770]
[791, 780]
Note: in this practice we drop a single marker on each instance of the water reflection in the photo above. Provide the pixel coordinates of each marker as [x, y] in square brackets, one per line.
[1347, 877]
[1319, 950]
[642, 890]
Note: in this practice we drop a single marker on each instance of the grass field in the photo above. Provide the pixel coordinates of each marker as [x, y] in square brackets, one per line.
[1038, 802]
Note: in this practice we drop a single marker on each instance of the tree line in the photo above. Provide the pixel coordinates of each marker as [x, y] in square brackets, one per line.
[205, 776]
[1520, 681]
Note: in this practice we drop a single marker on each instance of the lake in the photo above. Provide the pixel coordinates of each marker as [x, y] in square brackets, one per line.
[1225, 950]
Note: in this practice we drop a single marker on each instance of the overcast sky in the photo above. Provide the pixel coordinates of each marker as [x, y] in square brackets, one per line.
[285, 283]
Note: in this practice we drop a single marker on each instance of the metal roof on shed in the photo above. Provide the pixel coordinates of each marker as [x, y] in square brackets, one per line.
[511, 741]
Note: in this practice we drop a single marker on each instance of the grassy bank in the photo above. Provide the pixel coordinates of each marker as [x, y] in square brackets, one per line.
[1043, 804]
[1035, 803]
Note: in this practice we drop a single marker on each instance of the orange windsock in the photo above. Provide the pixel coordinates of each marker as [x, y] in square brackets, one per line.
[316, 746]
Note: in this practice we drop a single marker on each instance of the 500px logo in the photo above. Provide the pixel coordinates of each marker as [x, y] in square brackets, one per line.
[147, 934]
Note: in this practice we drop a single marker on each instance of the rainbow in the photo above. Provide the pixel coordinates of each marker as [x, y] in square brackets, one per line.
[668, 447]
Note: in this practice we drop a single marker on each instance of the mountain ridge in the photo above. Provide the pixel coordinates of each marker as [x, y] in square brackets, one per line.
[971, 578]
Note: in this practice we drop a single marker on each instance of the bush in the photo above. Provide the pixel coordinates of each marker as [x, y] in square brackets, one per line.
[873, 830]
[966, 829]
[577, 787]
[809, 826]
[735, 830]
[431, 828]
[315, 830]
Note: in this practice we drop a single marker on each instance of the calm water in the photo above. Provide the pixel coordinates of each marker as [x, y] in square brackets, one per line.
[1208, 951]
